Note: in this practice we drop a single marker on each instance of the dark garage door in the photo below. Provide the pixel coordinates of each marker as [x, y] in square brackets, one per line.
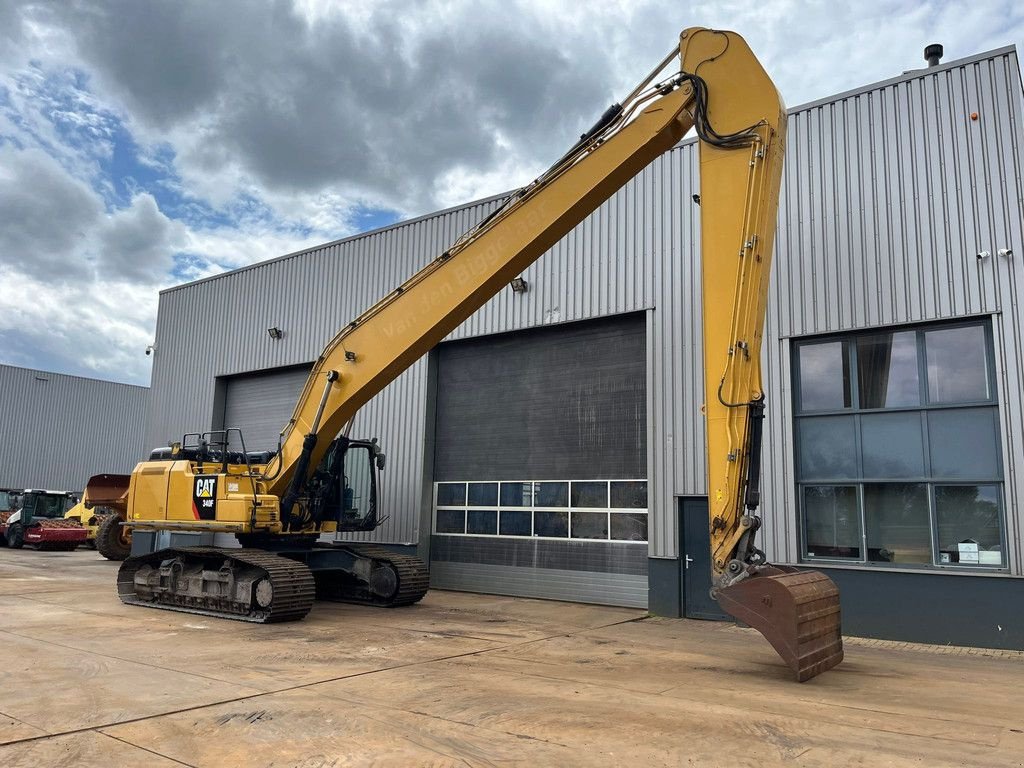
[261, 404]
[540, 463]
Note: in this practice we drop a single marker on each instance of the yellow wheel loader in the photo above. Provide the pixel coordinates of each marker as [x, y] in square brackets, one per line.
[319, 481]
[102, 512]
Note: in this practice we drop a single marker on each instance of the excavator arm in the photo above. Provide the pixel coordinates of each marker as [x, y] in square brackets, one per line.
[720, 90]
[380, 344]
[797, 611]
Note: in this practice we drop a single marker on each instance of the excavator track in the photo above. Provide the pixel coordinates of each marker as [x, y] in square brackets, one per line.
[240, 584]
[411, 579]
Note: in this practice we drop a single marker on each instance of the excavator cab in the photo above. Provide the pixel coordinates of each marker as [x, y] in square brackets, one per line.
[344, 487]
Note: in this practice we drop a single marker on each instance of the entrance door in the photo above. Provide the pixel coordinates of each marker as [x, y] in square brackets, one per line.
[695, 551]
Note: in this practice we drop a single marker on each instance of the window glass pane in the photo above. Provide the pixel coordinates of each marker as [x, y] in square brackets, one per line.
[824, 377]
[357, 483]
[957, 365]
[515, 523]
[451, 521]
[551, 524]
[631, 526]
[517, 494]
[969, 519]
[828, 448]
[589, 525]
[551, 494]
[896, 517]
[831, 521]
[964, 443]
[481, 521]
[483, 495]
[590, 494]
[892, 445]
[887, 369]
[629, 494]
[451, 494]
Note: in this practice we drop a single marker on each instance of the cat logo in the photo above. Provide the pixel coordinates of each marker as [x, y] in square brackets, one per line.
[204, 497]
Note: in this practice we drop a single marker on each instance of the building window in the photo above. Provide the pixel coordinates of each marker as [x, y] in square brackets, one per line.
[602, 510]
[897, 448]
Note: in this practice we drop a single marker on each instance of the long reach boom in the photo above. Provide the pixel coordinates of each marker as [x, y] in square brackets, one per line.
[719, 89]
[722, 90]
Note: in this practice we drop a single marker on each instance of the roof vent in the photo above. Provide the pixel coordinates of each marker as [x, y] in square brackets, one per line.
[932, 54]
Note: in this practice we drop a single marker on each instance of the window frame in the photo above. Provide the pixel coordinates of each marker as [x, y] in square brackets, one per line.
[533, 508]
[924, 407]
[849, 353]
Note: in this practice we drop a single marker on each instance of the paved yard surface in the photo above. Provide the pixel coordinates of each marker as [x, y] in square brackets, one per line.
[463, 680]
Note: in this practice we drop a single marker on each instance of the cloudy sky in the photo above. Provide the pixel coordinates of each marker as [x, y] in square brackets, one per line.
[144, 144]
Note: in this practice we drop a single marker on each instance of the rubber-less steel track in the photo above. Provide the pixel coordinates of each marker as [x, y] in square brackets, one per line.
[411, 572]
[293, 586]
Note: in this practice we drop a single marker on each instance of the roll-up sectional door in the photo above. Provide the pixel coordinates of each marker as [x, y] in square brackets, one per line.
[540, 463]
[261, 404]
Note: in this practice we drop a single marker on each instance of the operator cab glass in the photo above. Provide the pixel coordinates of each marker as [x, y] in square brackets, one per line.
[359, 483]
[44, 505]
[5, 501]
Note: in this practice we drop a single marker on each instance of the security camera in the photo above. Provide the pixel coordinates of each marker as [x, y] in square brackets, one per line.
[150, 348]
[1006, 253]
[982, 255]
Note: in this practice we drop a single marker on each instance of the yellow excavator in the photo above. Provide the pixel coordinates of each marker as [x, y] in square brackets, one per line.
[320, 481]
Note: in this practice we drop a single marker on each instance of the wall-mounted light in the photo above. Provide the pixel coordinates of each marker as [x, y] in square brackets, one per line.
[275, 333]
[519, 285]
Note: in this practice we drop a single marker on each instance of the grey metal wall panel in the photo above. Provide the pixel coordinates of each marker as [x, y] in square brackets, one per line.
[551, 404]
[56, 431]
[887, 197]
[260, 404]
[888, 193]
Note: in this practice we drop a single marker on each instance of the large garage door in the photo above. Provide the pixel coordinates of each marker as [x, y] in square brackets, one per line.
[261, 404]
[540, 463]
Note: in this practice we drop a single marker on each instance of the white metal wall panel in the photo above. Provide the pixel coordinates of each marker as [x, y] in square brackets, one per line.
[56, 431]
[888, 193]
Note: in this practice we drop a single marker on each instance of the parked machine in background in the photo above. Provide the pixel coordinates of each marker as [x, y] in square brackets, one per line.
[100, 512]
[7, 498]
[36, 517]
[320, 481]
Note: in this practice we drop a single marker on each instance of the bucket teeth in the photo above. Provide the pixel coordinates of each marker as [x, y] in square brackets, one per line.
[796, 611]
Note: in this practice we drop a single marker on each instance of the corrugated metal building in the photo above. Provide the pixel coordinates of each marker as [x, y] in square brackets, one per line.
[56, 431]
[894, 276]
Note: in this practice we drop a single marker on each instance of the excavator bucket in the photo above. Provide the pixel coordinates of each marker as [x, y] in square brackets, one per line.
[796, 611]
[107, 491]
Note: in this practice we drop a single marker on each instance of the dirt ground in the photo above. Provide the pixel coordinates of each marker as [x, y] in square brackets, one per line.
[464, 679]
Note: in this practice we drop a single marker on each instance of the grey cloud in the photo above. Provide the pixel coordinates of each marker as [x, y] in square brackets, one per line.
[136, 244]
[10, 27]
[378, 109]
[54, 227]
[45, 215]
[166, 59]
